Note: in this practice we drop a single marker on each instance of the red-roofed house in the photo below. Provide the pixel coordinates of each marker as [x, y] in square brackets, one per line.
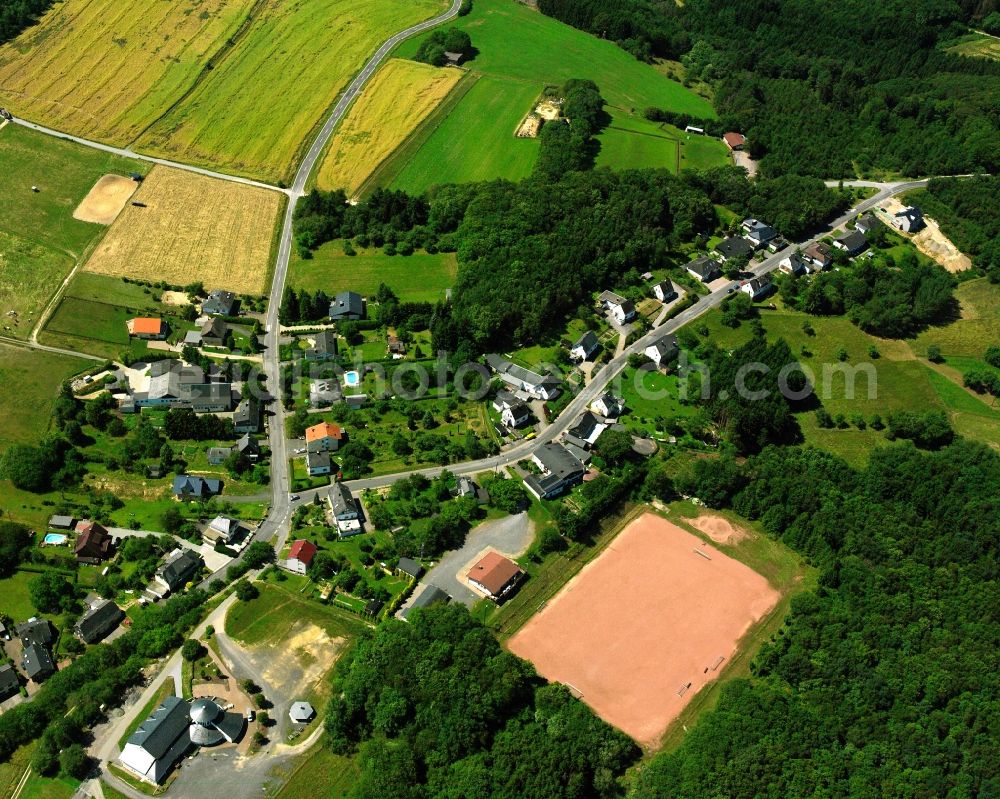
[147, 327]
[93, 543]
[734, 141]
[324, 437]
[300, 556]
[495, 575]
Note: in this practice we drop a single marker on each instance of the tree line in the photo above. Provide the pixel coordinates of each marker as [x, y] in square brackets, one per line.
[16, 15]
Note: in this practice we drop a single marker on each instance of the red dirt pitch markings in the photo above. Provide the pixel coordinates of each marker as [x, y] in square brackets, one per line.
[643, 620]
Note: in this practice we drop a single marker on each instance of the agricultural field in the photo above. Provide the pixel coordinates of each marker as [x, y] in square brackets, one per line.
[259, 131]
[636, 143]
[421, 277]
[92, 313]
[108, 69]
[977, 45]
[29, 384]
[396, 100]
[192, 228]
[479, 130]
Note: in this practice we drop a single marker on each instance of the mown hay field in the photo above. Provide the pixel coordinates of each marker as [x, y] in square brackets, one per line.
[399, 97]
[192, 228]
[107, 69]
[252, 112]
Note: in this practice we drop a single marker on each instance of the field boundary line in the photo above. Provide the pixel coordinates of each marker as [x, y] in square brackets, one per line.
[387, 170]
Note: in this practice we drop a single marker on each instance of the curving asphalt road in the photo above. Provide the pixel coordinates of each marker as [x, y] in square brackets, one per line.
[276, 524]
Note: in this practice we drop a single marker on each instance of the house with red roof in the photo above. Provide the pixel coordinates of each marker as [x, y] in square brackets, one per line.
[300, 556]
[324, 437]
[734, 141]
[495, 575]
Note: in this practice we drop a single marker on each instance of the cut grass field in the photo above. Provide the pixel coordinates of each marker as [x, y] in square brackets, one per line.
[477, 141]
[319, 772]
[15, 601]
[193, 228]
[107, 69]
[267, 619]
[251, 113]
[29, 383]
[397, 99]
[632, 142]
[420, 277]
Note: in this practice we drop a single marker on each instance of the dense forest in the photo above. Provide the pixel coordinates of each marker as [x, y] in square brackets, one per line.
[438, 708]
[825, 89]
[966, 210]
[16, 15]
[884, 681]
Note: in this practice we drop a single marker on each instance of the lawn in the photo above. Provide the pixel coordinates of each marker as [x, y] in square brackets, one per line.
[420, 277]
[632, 142]
[649, 395]
[107, 69]
[269, 617]
[167, 688]
[15, 600]
[396, 100]
[477, 140]
[297, 57]
[29, 384]
[976, 45]
[320, 772]
[977, 328]
[191, 227]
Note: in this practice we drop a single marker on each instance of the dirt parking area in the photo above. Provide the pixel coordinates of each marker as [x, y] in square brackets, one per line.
[646, 625]
[105, 200]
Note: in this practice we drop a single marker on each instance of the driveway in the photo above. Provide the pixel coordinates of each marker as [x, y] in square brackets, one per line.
[510, 536]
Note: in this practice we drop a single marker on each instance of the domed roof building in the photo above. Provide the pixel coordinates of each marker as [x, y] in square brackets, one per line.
[211, 725]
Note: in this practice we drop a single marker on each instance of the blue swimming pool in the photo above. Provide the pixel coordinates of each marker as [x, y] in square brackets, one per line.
[352, 379]
[54, 539]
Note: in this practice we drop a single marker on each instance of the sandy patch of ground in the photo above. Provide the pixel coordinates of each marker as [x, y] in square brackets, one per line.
[548, 110]
[931, 241]
[307, 654]
[105, 200]
[174, 298]
[719, 529]
[743, 159]
[642, 628]
[529, 127]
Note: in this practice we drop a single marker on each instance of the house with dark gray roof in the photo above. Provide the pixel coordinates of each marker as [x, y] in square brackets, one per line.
[214, 332]
[758, 233]
[734, 247]
[584, 347]
[318, 463]
[560, 470]
[99, 622]
[517, 378]
[246, 417]
[342, 503]
[62, 522]
[430, 596]
[9, 684]
[851, 241]
[665, 291]
[221, 303]
[663, 350]
[188, 486]
[36, 661]
[159, 742]
[180, 566]
[868, 223]
[407, 567]
[324, 346]
[703, 268]
[347, 305]
[908, 220]
[34, 631]
[585, 430]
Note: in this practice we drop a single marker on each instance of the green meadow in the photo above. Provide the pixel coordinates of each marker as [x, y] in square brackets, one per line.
[517, 45]
[420, 277]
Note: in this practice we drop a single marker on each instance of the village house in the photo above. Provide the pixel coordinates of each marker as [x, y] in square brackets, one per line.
[515, 414]
[93, 544]
[852, 242]
[665, 291]
[608, 406]
[662, 351]
[407, 567]
[246, 417]
[734, 248]
[584, 347]
[704, 269]
[221, 303]
[323, 393]
[147, 327]
[214, 332]
[621, 310]
[908, 220]
[585, 431]
[37, 663]
[99, 622]
[324, 346]
[318, 463]
[187, 486]
[324, 437]
[793, 264]
[756, 287]
[300, 556]
[517, 378]
[344, 508]
[221, 530]
[758, 233]
[734, 141]
[817, 256]
[496, 576]
[868, 224]
[560, 470]
[181, 566]
[9, 683]
[347, 305]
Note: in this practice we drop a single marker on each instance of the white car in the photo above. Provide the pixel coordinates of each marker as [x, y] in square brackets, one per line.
[294, 497]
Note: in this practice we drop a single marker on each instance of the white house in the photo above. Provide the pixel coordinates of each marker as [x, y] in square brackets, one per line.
[909, 220]
[318, 463]
[300, 556]
[793, 264]
[665, 291]
[515, 414]
[757, 287]
[663, 351]
[220, 530]
[608, 406]
[623, 311]
[517, 378]
[584, 347]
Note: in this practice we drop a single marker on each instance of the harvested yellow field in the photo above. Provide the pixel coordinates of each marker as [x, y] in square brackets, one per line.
[190, 228]
[107, 69]
[398, 98]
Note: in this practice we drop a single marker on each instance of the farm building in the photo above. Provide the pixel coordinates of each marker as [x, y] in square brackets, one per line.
[495, 575]
[734, 141]
[214, 332]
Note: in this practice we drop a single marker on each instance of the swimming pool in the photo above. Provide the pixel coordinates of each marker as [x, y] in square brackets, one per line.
[352, 379]
[54, 539]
